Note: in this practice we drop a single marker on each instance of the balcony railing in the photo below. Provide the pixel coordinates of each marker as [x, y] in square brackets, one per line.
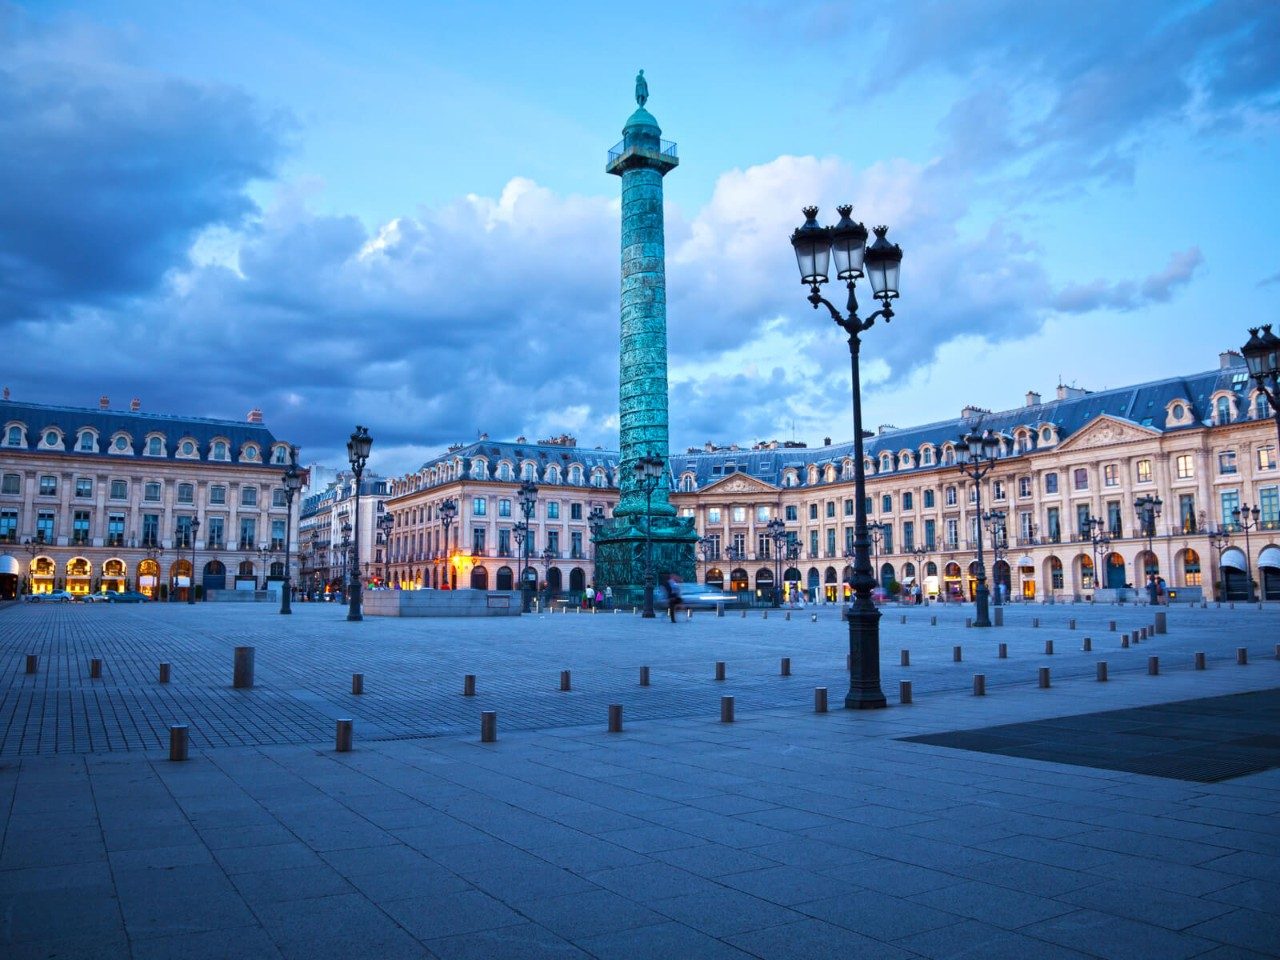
[665, 147]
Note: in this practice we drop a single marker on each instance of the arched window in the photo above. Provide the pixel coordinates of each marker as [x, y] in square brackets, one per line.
[15, 437]
[1223, 410]
[220, 450]
[153, 446]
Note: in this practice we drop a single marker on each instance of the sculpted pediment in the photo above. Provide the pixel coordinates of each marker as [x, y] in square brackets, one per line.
[1105, 431]
[740, 483]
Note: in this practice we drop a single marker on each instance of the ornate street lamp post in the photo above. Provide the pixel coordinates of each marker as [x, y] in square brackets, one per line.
[385, 524]
[1096, 530]
[777, 532]
[33, 548]
[528, 496]
[358, 448]
[814, 246]
[191, 582]
[153, 552]
[1241, 517]
[548, 555]
[1148, 509]
[876, 532]
[448, 513]
[292, 478]
[1219, 540]
[975, 458]
[648, 473]
[994, 520]
[1262, 355]
[920, 551]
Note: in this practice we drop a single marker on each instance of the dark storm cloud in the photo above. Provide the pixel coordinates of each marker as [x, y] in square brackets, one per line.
[107, 174]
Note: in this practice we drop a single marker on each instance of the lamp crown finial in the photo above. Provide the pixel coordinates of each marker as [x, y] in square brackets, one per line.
[880, 232]
[844, 209]
[810, 212]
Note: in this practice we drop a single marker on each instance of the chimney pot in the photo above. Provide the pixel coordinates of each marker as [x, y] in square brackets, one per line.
[135, 404]
[104, 402]
[1033, 399]
[255, 415]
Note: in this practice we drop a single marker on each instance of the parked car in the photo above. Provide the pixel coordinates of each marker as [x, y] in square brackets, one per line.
[53, 596]
[102, 596]
[129, 596]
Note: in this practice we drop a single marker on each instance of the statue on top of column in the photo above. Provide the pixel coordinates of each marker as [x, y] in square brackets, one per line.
[642, 88]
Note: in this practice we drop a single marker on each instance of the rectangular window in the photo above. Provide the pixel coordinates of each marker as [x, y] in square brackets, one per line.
[504, 543]
[553, 510]
[1080, 478]
[908, 501]
[1082, 520]
[480, 506]
[151, 529]
[277, 534]
[215, 536]
[762, 514]
[248, 533]
[831, 509]
[1144, 471]
[1024, 487]
[186, 493]
[886, 503]
[84, 487]
[997, 490]
[553, 542]
[1269, 508]
[908, 535]
[12, 483]
[950, 496]
[869, 505]
[953, 534]
[182, 537]
[1184, 466]
[930, 534]
[813, 511]
[1113, 519]
[740, 514]
[86, 442]
[1230, 503]
[831, 542]
[248, 496]
[1053, 525]
[8, 526]
[119, 489]
[791, 512]
[575, 511]
[1050, 483]
[575, 545]
[713, 514]
[712, 545]
[80, 527]
[762, 547]
[1267, 458]
[1110, 475]
[48, 486]
[813, 543]
[218, 494]
[1187, 512]
[1026, 528]
[151, 492]
[504, 507]
[278, 498]
[477, 541]
[45, 527]
[886, 542]
[848, 541]
[1227, 462]
[115, 530]
[929, 500]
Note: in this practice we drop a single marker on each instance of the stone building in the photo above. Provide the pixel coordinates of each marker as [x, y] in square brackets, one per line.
[327, 532]
[98, 498]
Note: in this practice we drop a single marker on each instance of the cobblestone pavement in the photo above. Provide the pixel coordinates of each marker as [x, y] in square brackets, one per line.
[414, 668]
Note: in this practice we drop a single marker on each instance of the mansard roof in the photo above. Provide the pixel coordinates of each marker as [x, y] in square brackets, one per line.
[543, 453]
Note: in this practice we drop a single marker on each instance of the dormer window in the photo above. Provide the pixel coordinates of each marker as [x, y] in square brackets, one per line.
[1178, 412]
[155, 446]
[121, 443]
[251, 452]
[188, 448]
[279, 455]
[1223, 410]
[220, 450]
[926, 457]
[87, 442]
[14, 438]
[51, 438]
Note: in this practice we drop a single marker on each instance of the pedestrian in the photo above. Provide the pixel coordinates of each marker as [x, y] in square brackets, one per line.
[1153, 590]
[608, 598]
[599, 599]
[673, 597]
[1161, 594]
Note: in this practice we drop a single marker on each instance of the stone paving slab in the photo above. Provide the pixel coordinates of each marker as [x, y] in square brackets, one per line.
[785, 834]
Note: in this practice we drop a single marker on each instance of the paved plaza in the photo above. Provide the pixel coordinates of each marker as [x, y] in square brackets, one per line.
[784, 834]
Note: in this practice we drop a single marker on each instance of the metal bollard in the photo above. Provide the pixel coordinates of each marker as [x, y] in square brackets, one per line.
[1111, 625]
[178, 742]
[488, 726]
[357, 684]
[1087, 645]
[813, 618]
[242, 669]
[644, 676]
[1102, 671]
[787, 616]
[1044, 678]
[726, 709]
[615, 718]
[688, 613]
[764, 614]
[469, 685]
[786, 666]
[33, 662]
[1048, 648]
[744, 613]
[933, 621]
[956, 655]
[1199, 660]
[1035, 621]
[848, 661]
[1002, 652]
[819, 699]
[979, 684]
[999, 616]
[164, 672]
[904, 691]
[904, 658]
[904, 619]
[1278, 651]
[1242, 655]
[1153, 666]
[564, 679]
[719, 669]
[342, 736]
[1124, 641]
[968, 622]
[95, 668]
[719, 609]
[1071, 624]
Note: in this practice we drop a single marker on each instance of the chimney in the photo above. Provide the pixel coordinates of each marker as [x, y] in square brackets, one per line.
[6, 393]
[255, 415]
[1230, 358]
[135, 404]
[885, 428]
[970, 412]
[1070, 393]
[1033, 399]
[826, 441]
[104, 402]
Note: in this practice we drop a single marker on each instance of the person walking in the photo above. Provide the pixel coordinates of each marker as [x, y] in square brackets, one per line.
[673, 597]
[608, 598]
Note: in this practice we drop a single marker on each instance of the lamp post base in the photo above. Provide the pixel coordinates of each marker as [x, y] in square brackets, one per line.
[982, 603]
[864, 658]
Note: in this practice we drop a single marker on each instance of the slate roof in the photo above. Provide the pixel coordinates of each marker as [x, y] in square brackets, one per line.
[544, 453]
[70, 420]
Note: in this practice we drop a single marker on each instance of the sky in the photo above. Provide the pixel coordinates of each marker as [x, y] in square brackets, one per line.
[396, 213]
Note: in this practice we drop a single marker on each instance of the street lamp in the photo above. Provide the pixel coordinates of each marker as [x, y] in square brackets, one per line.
[1262, 355]
[975, 458]
[1219, 540]
[1096, 529]
[1148, 509]
[547, 556]
[448, 513]
[346, 552]
[920, 551]
[777, 532]
[153, 552]
[648, 473]
[876, 532]
[292, 478]
[385, 524]
[595, 520]
[528, 496]
[994, 519]
[814, 245]
[1242, 515]
[358, 448]
[191, 582]
[33, 549]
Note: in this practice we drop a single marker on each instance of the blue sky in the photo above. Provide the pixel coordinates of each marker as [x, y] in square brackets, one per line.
[396, 213]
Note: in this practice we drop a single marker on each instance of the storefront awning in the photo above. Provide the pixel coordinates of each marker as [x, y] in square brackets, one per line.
[9, 566]
[1269, 557]
[1026, 562]
[1233, 558]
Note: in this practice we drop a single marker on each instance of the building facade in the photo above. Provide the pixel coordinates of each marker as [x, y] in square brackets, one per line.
[480, 548]
[97, 498]
[327, 533]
